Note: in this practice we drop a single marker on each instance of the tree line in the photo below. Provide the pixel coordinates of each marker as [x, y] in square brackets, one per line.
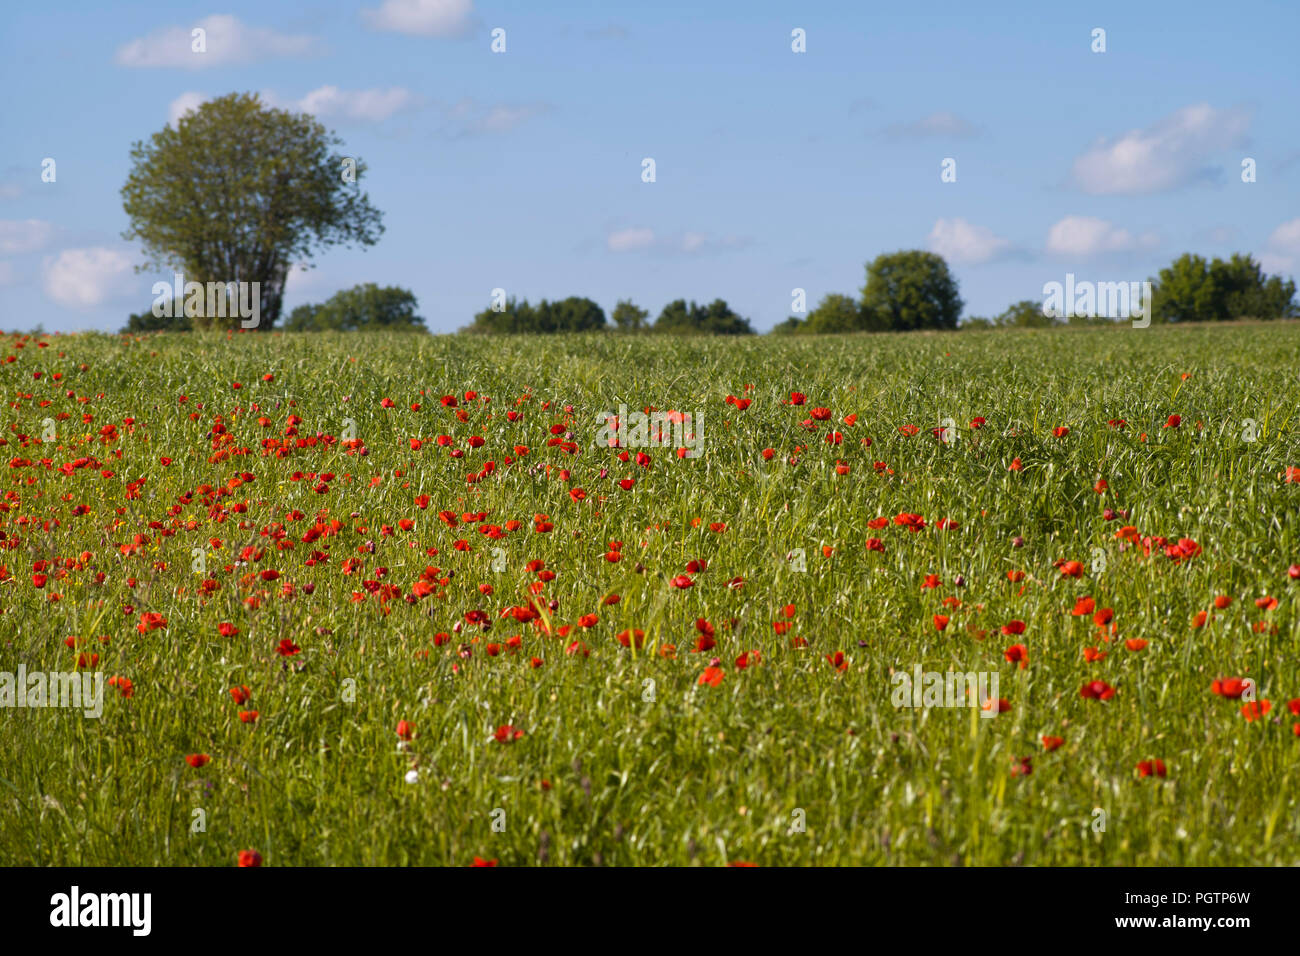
[297, 195]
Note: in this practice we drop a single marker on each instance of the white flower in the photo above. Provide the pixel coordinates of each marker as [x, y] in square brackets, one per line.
[412, 776]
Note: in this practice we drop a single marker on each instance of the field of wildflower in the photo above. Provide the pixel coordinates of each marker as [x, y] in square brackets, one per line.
[394, 599]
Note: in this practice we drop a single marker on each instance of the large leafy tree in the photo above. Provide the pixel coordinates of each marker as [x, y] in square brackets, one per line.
[238, 192]
[365, 306]
[910, 290]
[1193, 290]
[716, 318]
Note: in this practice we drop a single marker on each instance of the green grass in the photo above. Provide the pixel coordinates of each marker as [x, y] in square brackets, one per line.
[698, 774]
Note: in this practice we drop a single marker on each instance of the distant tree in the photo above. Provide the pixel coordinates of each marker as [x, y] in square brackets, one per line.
[791, 326]
[237, 191]
[629, 317]
[574, 314]
[716, 318]
[366, 306]
[977, 323]
[836, 313]
[1192, 290]
[910, 290]
[1025, 314]
[148, 322]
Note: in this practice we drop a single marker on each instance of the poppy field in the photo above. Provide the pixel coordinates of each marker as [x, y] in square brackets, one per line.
[390, 599]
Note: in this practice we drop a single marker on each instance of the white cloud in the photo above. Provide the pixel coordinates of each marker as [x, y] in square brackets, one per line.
[81, 278]
[1274, 264]
[1283, 248]
[1089, 236]
[227, 40]
[183, 104]
[687, 243]
[1286, 237]
[1171, 153]
[427, 18]
[961, 241]
[628, 240]
[326, 102]
[23, 235]
[468, 117]
[941, 124]
[361, 105]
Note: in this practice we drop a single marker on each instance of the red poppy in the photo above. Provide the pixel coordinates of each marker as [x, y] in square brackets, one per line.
[197, 760]
[250, 858]
[1255, 709]
[1097, 690]
[1017, 654]
[506, 734]
[1147, 768]
[712, 676]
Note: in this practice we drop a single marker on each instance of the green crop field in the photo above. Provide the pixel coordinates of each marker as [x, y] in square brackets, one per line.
[392, 599]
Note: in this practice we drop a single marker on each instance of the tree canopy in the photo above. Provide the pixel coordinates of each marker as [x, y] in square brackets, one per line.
[239, 192]
[716, 318]
[366, 306]
[574, 314]
[910, 290]
[1192, 290]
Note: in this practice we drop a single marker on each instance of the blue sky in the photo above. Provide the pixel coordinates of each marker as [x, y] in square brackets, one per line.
[775, 170]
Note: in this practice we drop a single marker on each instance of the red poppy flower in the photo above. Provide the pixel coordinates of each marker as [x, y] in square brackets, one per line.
[629, 637]
[197, 760]
[506, 734]
[1051, 743]
[1255, 709]
[712, 676]
[250, 858]
[1097, 690]
[1013, 628]
[1148, 768]
[1017, 654]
